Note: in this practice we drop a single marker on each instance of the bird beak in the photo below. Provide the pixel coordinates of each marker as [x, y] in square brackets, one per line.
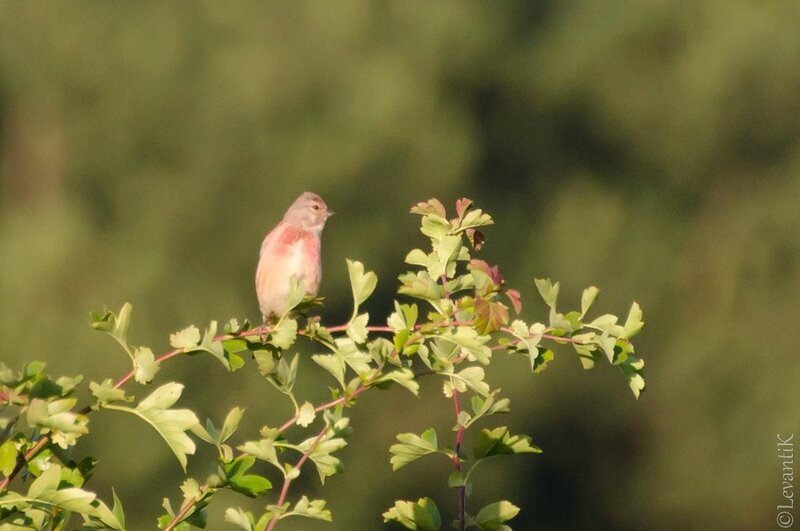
[329, 213]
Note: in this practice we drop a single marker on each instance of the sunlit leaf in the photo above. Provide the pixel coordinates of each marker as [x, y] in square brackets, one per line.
[411, 447]
[547, 290]
[634, 323]
[492, 516]
[145, 364]
[422, 515]
[357, 329]
[186, 339]
[587, 299]
[362, 284]
[314, 509]
[284, 333]
[231, 423]
[171, 424]
[306, 414]
[499, 441]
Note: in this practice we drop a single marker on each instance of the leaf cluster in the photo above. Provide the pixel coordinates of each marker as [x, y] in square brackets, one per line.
[453, 313]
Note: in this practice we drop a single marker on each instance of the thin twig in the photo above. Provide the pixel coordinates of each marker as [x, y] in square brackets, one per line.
[286, 425]
[187, 506]
[462, 490]
[288, 481]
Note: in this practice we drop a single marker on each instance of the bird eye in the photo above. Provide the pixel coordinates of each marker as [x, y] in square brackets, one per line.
[315, 207]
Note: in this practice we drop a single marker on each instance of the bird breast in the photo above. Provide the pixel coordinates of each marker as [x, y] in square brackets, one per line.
[288, 251]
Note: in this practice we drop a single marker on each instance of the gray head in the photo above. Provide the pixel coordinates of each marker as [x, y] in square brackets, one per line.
[308, 212]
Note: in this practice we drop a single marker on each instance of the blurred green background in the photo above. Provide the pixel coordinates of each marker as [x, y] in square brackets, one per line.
[649, 148]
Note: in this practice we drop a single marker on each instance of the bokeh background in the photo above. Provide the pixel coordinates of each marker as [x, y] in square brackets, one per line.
[649, 148]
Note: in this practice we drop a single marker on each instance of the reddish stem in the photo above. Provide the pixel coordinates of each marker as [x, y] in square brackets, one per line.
[187, 506]
[336, 401]
[462, 491]
[287, 481]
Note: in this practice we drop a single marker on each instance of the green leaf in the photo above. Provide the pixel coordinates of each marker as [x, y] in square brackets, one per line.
[382, 350]
[145, 364]
[325, 463]
[45, 490]
[540, 359]
[431, 206]
[475, 218]
[190, 488]
[445, 252]
[117, 510]
[215, 348]
[306, 414]
[171, 424]
[8, 457]
[265, 360]
[106, 393]
[435, 227]
[472, 344]
[64, 425]
[404, 377]
[634, 323]
[471, 377]
[333, 363]
[422, 515]
[231, 423]
[457, 480]
[607, 323]
[47, 481]
[559, 322]
[488, 406]
[314, 509]
[588, 298]
[492, 516]
[238, 517]
[263, 449]
[115, 325]
[251, 485]
[632, 369]
[186, 339]
[233, 327]
[588, 354]
[284, 334]
[357, 328]
[607, 343]
[411, 447]
[285, 374]
[547, 290]
[419, 285]
[357, 360]
[362, 284]
[417, 257]
[296, 294]
[499, 441]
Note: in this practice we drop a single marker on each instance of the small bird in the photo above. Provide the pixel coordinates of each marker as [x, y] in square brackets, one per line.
[291, 248]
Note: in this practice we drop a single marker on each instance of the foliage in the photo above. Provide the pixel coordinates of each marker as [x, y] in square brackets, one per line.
[453, 314]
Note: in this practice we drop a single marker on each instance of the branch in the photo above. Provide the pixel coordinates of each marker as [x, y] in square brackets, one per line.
[335, 402]
[462, 491]
[287, 481]
[286, 425]
[257, 331]
[187, 506]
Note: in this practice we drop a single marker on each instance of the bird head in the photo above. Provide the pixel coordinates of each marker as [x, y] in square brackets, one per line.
[308, 212]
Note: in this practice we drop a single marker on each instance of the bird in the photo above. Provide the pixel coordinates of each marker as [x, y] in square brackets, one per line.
[293, 247]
